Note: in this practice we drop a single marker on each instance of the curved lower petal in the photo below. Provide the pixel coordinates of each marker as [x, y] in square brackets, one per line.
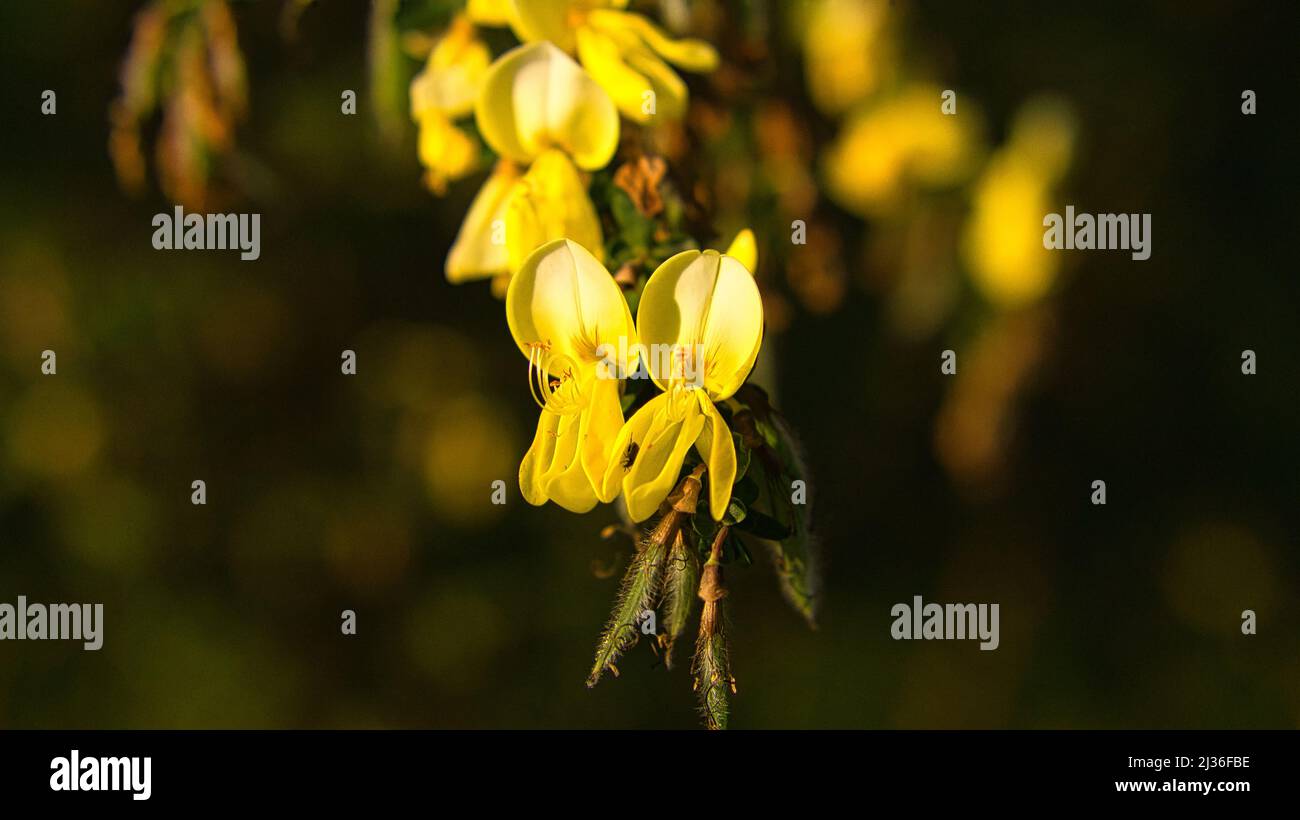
[719, 453]
[659, 462]
[551, 203]
[690, 54]
[604, 425]
[640, 84]
[538, 459]
[479, 251]
[631, 438]
[565, 481]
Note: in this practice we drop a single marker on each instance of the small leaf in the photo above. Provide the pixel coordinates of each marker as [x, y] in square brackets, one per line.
[762, 525]
[735, 512]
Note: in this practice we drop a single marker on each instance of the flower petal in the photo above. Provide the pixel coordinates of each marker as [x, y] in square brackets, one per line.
[634, 432]
[563, 297]
[535, 97]
[604, 425]
[452, 76]
[744, 249]
[690, 54]
[446, 152]
[551, 203]
[537, 20]
[708, 300]
[479, 251]
[719, 453]
[538, 459]
[491, 12]
[659, 461]
[565, 481]
[642, 85]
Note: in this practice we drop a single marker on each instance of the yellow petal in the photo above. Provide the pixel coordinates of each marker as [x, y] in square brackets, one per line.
[479, 251]
[566, 481]
[903, 140]
[453, 75]
[702, 302]
[659, 461]
[628, 445]
[536, 97]
[604, 424]
[491, 12]
[551, 203]
[446, 152]
[719, 453]
[690, 54]
[744, 249]
[642, 86]
[848, 50]
[563, 297]
[537, 20]
[538, 459]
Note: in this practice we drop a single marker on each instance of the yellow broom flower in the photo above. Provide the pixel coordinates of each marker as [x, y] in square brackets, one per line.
[563, 307]
[701, 318]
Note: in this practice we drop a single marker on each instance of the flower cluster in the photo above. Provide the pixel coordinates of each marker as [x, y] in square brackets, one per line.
[662, 432]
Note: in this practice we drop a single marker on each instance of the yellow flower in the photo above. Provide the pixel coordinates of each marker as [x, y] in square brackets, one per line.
[701, 318]
[567, 315]
[1003, 242]
[537, 107]
[443, 92]
[480, 250]
[490, 12]
[846, 51]
[550, 202]
[627, 54]
[535, 98]
[744, 249]
[901, 141]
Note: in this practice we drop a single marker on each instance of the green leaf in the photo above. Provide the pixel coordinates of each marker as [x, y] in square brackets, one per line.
[762, 525]
[747, 491]
[743, 456]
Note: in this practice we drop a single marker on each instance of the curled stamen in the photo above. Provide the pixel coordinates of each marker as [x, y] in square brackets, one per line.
[536, 371]
[548, 392]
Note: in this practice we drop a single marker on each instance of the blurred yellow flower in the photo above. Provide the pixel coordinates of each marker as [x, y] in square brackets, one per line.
[1003, 241]
[490, 12]
[480, 251]
[538, 107]
[706, 309]
[846, 52]
[535, 97]
[550, 202]
[744, 249]
[443, 92]
[627, 54]
[898, 142]
[563, 307]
